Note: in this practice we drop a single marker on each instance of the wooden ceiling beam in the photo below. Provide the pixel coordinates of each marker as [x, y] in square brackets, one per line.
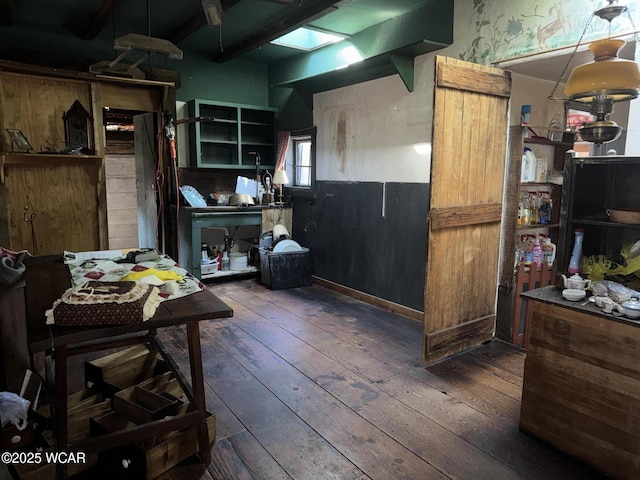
[100, 18]
[6, 13]
[298, 17]
[194, 23]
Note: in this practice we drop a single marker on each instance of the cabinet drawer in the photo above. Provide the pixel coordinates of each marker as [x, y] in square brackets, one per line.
[149, 459]
[123, 369]
[141, 405]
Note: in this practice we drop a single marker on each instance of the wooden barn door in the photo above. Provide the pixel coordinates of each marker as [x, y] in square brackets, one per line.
[467, 173]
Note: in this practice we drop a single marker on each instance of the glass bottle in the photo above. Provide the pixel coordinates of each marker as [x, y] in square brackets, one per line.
[533, 208]
[525, 214]
[545, 210]
[555, 128]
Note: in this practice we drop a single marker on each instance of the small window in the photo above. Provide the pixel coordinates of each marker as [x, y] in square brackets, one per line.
[301, 163]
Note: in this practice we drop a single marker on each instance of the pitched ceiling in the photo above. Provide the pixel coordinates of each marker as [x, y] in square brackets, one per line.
[75, 33]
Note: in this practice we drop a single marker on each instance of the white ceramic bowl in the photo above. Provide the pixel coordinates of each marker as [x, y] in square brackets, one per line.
[573, 294]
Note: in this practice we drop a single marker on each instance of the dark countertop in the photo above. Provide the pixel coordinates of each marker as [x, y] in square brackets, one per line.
[230, 208]
[553, 295]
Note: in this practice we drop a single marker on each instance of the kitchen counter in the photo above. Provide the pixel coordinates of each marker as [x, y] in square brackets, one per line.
[229, 208]
[192, 220]
[581, 386]
[553, 295]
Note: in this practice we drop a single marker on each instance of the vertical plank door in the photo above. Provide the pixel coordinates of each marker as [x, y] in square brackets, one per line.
[470, 125]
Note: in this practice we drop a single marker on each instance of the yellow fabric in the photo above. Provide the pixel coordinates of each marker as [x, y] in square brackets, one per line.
[161, 274]
[597, 266]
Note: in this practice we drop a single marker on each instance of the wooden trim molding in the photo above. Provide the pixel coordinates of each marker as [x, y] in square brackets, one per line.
[370, 299]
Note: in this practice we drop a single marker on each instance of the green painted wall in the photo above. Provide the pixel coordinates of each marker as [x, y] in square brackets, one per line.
[235, 81]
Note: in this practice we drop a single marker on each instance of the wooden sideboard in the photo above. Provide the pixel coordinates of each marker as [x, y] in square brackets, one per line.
[581, 388]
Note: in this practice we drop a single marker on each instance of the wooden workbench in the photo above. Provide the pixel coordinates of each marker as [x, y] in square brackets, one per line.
[46, 279]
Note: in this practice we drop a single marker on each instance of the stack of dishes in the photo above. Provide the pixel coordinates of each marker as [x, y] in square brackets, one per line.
[287, 245]
[573, 294]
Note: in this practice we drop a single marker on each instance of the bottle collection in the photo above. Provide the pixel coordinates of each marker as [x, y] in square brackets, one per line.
[534, 208]
[535, 249]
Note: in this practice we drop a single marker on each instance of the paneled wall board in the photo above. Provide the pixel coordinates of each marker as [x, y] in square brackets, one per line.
[354, 245]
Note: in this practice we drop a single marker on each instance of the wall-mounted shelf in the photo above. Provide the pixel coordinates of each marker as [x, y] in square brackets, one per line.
[231, 136]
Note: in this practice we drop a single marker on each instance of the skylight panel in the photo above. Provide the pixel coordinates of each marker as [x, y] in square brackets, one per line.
[307, 39]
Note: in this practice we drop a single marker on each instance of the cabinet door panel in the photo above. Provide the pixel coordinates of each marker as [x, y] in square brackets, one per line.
[52, 208]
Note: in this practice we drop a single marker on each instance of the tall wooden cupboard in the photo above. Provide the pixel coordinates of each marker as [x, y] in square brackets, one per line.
[51, 201]
[515, 279]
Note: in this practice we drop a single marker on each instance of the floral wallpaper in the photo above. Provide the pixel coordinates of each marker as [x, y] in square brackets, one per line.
[504, 29]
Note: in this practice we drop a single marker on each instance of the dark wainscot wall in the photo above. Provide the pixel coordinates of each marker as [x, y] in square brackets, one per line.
[352, 244]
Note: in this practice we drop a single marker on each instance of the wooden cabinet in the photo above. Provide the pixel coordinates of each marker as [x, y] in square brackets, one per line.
[510, 323]
[581, 392]
[231, 136]
[592, 186]
[53, 203]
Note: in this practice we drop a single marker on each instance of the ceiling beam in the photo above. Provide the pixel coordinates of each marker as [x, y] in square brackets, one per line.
[100, 19]
[389, 46]
[6, 13]
[194, 23]
[298, 17]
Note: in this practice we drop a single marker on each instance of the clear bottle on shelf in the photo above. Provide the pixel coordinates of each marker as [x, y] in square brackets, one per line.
[525, 217]
[545, 209]
[533, 208]
[555, 128]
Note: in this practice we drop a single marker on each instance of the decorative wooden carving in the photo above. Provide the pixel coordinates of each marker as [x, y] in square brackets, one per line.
[78, 127]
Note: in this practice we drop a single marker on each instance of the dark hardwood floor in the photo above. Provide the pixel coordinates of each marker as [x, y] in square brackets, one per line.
[309, 384]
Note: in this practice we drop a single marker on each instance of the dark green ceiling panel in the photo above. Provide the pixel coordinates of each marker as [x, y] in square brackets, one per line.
[426, 29]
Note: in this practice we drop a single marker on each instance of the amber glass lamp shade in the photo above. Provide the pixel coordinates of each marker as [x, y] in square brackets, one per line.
[607, 76]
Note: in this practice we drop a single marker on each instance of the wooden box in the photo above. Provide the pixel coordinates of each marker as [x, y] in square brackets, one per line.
[14, 439]
[33, 471]
[151, 458]
[141, 405]
[45, 470]
[164, 383]
[123, 369]
[78, 417]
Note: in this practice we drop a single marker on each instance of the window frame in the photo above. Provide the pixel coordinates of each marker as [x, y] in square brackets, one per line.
[297, 191]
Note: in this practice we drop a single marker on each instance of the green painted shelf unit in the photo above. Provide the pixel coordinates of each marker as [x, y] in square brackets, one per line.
[231, 135]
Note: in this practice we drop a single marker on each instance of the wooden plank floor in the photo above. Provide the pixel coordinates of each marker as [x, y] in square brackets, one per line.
[309, 384]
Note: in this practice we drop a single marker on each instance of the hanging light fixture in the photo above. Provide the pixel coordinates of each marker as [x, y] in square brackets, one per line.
[603, 82]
